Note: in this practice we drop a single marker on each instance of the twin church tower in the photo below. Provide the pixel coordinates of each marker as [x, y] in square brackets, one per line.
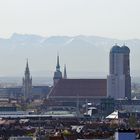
[119, 80]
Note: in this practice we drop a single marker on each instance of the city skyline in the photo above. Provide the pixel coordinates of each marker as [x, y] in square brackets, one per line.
[69, 69]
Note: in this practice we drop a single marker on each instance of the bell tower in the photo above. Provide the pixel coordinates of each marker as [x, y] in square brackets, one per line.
[57, 73]
[27, 83]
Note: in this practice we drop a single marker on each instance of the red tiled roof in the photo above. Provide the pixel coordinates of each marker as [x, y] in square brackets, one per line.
[79, 87]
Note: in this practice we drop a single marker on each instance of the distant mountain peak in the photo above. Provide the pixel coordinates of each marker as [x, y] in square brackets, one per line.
[80, 52]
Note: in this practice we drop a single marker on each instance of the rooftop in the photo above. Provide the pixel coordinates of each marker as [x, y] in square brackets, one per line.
[80, 88]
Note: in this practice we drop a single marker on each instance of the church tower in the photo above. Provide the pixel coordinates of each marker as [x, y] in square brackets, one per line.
[57, 73]
[119, 79]
[27, 83]
[65, 72]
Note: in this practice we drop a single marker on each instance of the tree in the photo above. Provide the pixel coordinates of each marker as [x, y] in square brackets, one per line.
[132, 121]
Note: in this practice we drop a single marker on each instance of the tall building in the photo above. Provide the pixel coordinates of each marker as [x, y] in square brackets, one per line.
[119, 80]
[57, 73]
[27, 84]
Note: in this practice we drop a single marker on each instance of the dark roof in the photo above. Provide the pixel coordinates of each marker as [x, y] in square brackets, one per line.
[118, 49]
[125, 49]
[79, 87]
[115, 49]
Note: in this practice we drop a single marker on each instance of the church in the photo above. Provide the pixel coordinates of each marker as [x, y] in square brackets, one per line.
[70, 90]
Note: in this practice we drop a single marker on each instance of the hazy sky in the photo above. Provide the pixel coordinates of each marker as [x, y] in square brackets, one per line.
[108, 18]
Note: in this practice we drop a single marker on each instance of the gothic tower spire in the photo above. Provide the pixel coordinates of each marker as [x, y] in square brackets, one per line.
[58, 65]
[57, 73]
[27, 83]
[27, 71]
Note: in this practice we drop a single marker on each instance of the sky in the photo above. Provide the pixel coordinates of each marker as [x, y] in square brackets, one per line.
[107, 18]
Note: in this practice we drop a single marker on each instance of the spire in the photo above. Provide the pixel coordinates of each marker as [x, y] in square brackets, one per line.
[57, 66]
[27, 83]
[57, 73]
[27, 67]
[65, 72]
